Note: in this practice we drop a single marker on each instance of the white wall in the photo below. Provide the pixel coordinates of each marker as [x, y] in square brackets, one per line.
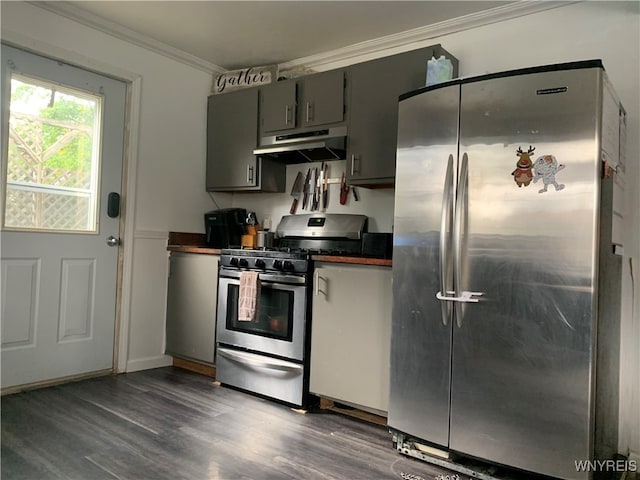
[171, 155]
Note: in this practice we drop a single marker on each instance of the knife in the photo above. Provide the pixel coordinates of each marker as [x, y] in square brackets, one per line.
[325, 188]
[296, 191]
[314, 205]
[320, 186]
[305, 197]
[344, 191]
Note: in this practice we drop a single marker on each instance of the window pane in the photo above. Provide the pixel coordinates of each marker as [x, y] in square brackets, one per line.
[53, 158]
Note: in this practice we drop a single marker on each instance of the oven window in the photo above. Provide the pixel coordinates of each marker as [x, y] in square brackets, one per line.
[274, 317]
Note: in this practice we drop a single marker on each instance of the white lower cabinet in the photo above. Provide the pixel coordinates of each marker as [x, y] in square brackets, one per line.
[350, 335]
[191, 306]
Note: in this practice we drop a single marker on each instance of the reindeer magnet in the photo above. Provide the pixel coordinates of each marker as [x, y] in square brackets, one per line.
[523, 173]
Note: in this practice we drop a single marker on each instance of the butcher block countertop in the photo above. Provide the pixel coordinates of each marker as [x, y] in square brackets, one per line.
[383, 262]
[195, 243]
[191, 249]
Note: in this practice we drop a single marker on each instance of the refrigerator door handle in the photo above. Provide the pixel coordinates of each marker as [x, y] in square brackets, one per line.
[446, 219]
[461, 210]
[465, 297]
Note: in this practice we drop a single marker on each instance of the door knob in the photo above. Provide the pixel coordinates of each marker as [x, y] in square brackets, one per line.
[113, 241]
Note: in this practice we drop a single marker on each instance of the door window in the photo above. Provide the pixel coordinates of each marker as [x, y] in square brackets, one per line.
[53, 157]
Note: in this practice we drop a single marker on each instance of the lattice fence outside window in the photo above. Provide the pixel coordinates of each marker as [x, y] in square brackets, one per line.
[52, 165]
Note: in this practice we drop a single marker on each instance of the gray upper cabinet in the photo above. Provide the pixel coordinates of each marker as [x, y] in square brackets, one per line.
[232, 134]
[278, 108]
[362, 98]
[373, 112]
[303, 103]
[323, 99]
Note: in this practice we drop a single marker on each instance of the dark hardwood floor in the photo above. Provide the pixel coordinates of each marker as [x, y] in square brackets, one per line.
[173, 424]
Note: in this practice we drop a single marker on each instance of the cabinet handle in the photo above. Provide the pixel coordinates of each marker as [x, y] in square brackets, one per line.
[249, 173]
[309, 112]
[353, 164]
[287, 110]
[316, 285]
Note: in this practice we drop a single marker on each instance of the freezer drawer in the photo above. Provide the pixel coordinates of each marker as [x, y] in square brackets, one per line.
[268, 376]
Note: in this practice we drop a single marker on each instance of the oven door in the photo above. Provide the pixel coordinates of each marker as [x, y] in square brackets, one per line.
[279, 327]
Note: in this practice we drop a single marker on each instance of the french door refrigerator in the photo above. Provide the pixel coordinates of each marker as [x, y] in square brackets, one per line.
[505, 331]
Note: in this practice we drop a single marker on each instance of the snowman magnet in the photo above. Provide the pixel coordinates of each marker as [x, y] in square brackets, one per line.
[546, 167]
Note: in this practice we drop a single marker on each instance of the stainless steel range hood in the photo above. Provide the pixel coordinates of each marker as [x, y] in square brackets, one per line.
[317, 145]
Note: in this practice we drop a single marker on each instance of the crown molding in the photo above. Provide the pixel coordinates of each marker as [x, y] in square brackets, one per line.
[378, 47]
[375, 48]
[70, 11]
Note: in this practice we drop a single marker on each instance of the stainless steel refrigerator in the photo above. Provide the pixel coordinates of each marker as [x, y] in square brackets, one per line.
[506, 270]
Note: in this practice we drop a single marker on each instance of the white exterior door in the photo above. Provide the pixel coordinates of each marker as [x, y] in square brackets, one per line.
[62, 152]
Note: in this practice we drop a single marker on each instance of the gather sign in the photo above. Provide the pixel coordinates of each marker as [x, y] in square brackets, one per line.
[243, 78]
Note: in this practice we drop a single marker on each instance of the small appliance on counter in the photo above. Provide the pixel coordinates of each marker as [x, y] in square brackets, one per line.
[377, 245]
[224, 227]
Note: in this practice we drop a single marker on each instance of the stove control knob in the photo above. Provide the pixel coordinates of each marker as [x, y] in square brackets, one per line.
[277, 264]
[260, 263]
[243, 262]
[233, 261]
[288, 266]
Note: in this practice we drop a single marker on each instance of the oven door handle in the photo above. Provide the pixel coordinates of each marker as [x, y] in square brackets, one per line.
[266, 277]
[249, 359]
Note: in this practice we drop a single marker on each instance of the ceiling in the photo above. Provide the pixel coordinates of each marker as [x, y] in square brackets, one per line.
[237, 34]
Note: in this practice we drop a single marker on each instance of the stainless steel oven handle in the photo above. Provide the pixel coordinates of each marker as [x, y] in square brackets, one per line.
[267, 277]
[249, 359]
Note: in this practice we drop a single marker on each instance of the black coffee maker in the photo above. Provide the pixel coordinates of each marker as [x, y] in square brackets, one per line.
[225, 227]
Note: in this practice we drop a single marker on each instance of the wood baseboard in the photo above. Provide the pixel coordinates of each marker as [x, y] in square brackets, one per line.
[327, 404]
[208, 370]
[55, 381]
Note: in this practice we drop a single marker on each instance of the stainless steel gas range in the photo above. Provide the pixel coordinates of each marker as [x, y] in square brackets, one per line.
[269, 355]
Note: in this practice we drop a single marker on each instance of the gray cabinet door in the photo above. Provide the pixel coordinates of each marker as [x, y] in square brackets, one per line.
[322, 99]
[278, 106]
[373, 118]
[350, 339]
[191, 306]
[232, 134]
[309, 101]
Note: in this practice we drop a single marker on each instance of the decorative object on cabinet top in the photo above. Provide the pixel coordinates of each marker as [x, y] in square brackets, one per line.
[244, 78]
